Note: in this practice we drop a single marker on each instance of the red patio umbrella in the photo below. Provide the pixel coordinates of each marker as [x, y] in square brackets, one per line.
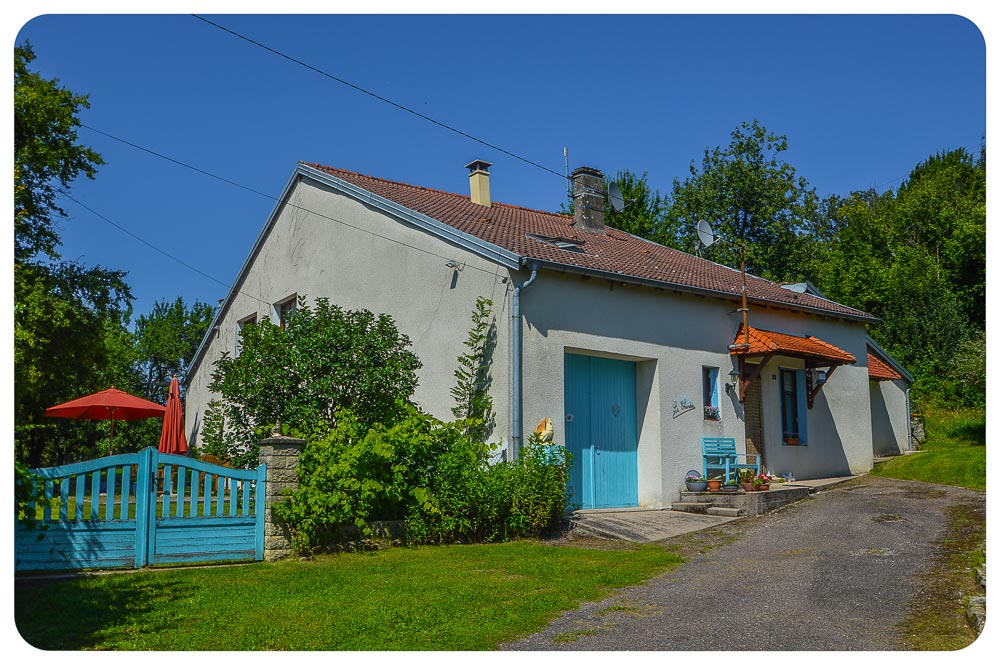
[172, 438]
[111, 404]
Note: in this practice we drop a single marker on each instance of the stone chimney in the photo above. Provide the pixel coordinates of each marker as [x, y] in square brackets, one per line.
[479, 182]
[588, 199]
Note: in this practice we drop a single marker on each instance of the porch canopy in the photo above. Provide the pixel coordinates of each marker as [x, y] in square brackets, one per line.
[765, 344]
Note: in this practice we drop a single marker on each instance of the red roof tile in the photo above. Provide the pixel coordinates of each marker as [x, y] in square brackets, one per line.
[878, 370]
[613, 251]
[768, 341]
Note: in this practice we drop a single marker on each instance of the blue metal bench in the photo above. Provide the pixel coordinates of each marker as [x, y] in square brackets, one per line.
[720, 454]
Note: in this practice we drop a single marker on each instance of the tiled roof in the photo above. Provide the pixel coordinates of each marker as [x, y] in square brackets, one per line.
[614, 252]
[768, 341]
[878, 370]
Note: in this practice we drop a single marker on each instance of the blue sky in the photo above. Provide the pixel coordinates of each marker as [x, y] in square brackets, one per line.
[862, 99]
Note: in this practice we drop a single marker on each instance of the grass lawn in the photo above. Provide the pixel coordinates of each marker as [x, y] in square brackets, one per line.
[447, 598]
[954, 452]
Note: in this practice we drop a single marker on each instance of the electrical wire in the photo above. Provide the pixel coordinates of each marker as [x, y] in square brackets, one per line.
[377, 96]
[259, 193]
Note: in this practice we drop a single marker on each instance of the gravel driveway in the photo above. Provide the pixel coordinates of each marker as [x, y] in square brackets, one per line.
[832, 572]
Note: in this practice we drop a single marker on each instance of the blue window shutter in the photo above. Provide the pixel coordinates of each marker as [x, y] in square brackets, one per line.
[803, 406]
[714, 380]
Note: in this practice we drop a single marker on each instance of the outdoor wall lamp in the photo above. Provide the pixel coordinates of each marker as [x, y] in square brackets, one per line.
[734, 376]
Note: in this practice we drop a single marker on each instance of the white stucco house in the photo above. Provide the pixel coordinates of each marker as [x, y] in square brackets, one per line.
[634, 350]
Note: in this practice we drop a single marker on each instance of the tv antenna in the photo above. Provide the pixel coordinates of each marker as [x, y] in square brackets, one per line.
[615, 196]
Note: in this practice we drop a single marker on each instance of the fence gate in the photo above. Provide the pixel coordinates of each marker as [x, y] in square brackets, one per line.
[141, 509]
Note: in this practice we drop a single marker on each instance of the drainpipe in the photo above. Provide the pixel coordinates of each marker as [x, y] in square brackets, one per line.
[516, 388]
[909, 422]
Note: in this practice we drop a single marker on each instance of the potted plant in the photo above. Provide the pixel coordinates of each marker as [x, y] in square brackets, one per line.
[695, 482]
[761, 483]
[730, 486]
[746, 479]
[712, 413]
[714, 484]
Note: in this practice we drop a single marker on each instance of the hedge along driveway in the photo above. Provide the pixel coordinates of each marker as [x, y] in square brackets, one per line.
[446, 598]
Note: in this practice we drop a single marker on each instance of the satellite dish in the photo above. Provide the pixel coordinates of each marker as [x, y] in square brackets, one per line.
[615, 196]
[705, 233]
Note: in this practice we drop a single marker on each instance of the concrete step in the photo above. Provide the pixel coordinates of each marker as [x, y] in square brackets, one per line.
[725, 512]
[701, 507]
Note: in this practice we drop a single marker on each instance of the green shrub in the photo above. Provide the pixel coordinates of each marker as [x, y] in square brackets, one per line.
[355, 474]
[480, 502]
[426, 471]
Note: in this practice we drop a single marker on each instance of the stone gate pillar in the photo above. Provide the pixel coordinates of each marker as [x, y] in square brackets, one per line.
[281, 456]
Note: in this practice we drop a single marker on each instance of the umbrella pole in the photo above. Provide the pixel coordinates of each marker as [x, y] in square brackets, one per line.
[111, 439]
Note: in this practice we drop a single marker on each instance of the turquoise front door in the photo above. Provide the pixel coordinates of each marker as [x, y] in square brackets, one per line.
[601, 431]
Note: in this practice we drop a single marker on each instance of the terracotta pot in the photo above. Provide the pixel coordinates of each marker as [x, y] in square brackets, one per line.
[763, 488]
[714, 485]
[747, 487]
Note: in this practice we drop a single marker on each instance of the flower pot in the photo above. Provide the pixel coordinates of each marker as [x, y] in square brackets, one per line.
[791, 442]
[696, 486]
[714, 485]
[747, 487]
[730, 488]
[763, 488]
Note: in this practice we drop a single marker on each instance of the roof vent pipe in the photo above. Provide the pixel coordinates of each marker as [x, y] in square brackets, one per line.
[479, 182]
[588, 199]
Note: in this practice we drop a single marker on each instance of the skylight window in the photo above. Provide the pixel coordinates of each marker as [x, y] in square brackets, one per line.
[557, 242]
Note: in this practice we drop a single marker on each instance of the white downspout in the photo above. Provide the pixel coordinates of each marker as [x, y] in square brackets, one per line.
[516, 388]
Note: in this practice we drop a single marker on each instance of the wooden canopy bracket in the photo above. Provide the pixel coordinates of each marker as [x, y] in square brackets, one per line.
[745, 382]
[811, 390]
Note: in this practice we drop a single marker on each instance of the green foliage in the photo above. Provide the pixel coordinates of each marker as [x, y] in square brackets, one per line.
[915, 258]
[469, 500]
[165, 342]
[754, 199]
[46, 155]
[426, 471]
[326, 359]
[643, 212]
[358, 472]
[473, 380]
[954, 452]
[64, 315]
[28, 490]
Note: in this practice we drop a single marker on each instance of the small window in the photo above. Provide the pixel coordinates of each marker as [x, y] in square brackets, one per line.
[283, 310]
[240, 325]
[710, 392]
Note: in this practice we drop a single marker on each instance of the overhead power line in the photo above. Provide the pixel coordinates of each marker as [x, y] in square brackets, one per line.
[377, 96]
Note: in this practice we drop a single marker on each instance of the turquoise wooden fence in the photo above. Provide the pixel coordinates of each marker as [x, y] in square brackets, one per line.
[142, 509]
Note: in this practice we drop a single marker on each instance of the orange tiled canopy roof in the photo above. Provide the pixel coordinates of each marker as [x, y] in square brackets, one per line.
[879, 370]
[614, 252]
[768, 341]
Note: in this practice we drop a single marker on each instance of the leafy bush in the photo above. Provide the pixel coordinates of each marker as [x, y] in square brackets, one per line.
[426, 471]
[488, 503]
[327, 358]
[355, 473]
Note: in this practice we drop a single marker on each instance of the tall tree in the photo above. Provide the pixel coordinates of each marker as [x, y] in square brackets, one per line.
[754, 200]
[642, 214]
[62, 310]
[325, 359]
[165, 342]
[46, 155]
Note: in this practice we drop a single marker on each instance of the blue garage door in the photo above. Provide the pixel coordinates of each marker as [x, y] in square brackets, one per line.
[601, 431]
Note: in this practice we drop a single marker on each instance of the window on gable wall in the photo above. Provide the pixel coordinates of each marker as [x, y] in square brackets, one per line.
[793, 407]
[240, 325]
[282, 310]
[710, 392]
